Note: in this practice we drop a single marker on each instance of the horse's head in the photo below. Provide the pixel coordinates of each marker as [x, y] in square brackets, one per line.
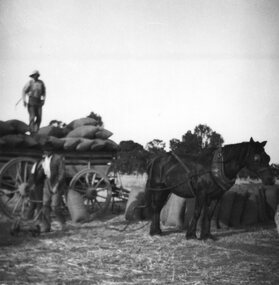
[257, 160]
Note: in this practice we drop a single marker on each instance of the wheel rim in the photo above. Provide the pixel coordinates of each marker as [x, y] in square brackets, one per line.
[95, 190]
[14, 199]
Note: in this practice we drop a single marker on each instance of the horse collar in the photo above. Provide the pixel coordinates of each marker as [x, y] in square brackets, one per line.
[218, 172]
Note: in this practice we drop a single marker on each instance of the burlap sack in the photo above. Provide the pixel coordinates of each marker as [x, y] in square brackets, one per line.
[29, 141]
[82, 122]
[18, 126]
[238, 207]
[276, 218]
[12, 141]
[76, 207]
[250, 215]
[173, 212]
[136, 198]
[98, 145]
[272, 196]
[87, 132]
[225, 209]
[5, 129]
[111, 145]
[53, 131]
[84, 145]
[54, 143]
[70, 143]
[103, 134]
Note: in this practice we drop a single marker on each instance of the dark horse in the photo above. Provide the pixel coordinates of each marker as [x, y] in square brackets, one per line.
[205, 176]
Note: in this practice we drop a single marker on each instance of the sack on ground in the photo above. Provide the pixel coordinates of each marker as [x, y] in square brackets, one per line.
[172, 213]
[76, 207]
[136, 198]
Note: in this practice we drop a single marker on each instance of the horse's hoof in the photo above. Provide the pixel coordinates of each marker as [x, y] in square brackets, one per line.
[191, 236]
[156, 232]
[206, 237]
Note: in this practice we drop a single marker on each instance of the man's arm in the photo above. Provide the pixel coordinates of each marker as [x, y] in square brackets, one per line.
[25, 93]
[43, 95]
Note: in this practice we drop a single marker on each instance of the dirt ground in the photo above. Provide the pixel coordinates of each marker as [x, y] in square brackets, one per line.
[113, 251]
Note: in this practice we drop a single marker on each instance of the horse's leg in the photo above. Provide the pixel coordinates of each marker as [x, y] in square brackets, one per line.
[206, 219]
[158, 200]
[191, 231]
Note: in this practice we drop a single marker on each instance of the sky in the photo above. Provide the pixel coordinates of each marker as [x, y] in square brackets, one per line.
[151, 69]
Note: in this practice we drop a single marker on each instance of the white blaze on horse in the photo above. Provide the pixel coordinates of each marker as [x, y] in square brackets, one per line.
[205, 176]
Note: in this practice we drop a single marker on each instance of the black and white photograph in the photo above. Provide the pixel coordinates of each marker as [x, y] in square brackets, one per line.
[139, 142]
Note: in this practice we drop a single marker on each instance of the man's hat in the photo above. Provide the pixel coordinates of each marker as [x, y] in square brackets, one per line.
[35, 72]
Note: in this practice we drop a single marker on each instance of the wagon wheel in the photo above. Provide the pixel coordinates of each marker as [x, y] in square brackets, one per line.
[95, 189]
[14, 199]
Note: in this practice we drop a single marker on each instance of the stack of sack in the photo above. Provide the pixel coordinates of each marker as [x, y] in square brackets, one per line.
[13, 134]
[242, 205]
[81, 135]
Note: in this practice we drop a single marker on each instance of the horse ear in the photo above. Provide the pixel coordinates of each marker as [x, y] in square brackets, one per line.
[251, 140]
[263, 143]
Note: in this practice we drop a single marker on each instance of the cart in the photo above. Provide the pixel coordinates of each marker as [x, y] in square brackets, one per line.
[87, 173]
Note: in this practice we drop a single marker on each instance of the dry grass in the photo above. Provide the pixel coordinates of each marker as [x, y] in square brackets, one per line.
[110, 252]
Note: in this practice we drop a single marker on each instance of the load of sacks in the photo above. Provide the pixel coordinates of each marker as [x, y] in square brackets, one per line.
[242, 205]
[80, 135]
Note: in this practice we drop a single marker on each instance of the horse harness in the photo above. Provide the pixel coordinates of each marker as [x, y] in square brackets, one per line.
[217, 172]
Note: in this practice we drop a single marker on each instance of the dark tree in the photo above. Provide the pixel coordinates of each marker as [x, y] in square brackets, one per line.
[132, 157]
[156, 146]
[96, 117]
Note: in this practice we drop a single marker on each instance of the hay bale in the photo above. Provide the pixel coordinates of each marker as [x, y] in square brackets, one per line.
[173, 212]
[18, 126]
[226, 205]
[82, 122]
[76, 207]
[5, 129]
[87, 132]
[103, 134]
[70, 143]
[84, 145]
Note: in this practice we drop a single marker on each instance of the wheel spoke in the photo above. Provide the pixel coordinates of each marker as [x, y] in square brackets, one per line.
[18, 202]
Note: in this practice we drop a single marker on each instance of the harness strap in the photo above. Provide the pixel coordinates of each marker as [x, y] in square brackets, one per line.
[218, 173]
[187, 170]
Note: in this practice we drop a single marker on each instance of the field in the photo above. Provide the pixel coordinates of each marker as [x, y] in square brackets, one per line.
[114, 251]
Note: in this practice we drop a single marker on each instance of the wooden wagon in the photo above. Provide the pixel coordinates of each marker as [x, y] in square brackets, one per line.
[87, 173]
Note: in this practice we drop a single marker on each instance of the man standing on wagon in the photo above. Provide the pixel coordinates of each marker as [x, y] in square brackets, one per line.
[33, 95]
